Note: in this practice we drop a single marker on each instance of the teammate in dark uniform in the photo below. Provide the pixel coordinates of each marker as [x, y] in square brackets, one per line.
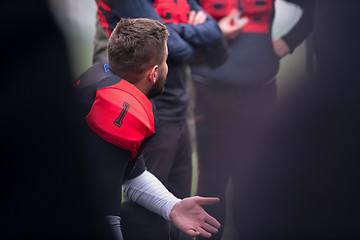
[119, 121]
[304, 182]
[234, 100]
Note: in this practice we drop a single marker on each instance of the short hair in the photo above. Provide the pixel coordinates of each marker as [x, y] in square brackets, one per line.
[135, 45]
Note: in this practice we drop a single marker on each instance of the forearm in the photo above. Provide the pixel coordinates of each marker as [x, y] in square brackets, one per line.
[303, 27]
[149, 192]
[206, 34]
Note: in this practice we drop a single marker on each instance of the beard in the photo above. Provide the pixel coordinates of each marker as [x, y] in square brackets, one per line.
[158, 88]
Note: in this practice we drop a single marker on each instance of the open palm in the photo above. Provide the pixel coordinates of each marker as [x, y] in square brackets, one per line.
[191, 218]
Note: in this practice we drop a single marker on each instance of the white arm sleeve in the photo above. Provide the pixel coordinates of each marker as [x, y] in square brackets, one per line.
[149, 192]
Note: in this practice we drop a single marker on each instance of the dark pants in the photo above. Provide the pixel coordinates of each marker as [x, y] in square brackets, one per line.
[168, 157]
[229, 123]
[139, 223]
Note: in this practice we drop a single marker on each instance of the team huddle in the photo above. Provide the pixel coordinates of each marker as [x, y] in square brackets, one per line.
[134, 102]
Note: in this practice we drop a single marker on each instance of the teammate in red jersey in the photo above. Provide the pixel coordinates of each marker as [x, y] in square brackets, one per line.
[119, 121]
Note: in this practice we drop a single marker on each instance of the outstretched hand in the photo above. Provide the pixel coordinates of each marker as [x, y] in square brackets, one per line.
[191, 218]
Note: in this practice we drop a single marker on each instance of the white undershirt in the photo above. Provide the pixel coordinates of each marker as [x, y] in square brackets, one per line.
[147, 191]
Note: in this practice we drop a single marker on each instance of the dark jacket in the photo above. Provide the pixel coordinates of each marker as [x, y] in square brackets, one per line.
[252, 60]
[183, 44]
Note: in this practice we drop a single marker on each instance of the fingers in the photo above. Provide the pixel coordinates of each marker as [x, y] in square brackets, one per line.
[204, 233]
[196, 18]
[200, 17]
[192, 233]
[241, 22]
[192, 17]
[281, 48]
[198, 222]
[212, 221]
[207, 200]
[197, 232]
[209, 228]
[205, 229]
[231, 15]
[232, 25]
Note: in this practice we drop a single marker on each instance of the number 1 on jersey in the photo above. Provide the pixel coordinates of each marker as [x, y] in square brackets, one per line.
[119, 120]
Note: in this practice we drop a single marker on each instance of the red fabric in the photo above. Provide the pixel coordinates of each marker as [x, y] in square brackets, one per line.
[125, 128]
[103, 5]
[259, 12]
[102, 18]
[172, 12]
[218, 8]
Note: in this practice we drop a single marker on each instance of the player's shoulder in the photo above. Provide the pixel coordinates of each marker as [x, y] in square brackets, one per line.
[96, 76]
[122, 115]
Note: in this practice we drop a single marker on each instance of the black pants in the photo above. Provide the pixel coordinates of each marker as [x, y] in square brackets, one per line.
[168, 157]
[229, 124]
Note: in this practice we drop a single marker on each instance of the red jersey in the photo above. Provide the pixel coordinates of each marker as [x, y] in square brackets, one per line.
[259, 12]
[173, 11]
[115, 109]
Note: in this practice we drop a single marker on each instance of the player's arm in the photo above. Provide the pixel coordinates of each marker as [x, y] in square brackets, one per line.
[186, 214]
[203, 32]
[299, 32]
[179, 49]
[206, 34]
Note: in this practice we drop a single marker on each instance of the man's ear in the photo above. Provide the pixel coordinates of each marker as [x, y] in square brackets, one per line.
[154, 74]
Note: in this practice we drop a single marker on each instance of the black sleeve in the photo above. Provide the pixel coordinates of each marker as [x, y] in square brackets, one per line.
[303, 27]
[107, 164]
[212, 56]
[135, 168]
[87, 84]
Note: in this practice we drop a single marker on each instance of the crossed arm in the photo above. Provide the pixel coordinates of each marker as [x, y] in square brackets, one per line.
[184, 38]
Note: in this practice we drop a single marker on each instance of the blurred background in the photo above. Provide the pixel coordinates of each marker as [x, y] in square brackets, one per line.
[47, 186]
[77, 20]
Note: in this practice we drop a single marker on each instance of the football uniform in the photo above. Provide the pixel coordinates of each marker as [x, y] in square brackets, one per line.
[118, 120]
[241, 94]
[117, 110]
[169, 155]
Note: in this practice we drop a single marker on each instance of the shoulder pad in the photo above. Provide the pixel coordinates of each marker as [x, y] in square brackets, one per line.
[122, 115]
